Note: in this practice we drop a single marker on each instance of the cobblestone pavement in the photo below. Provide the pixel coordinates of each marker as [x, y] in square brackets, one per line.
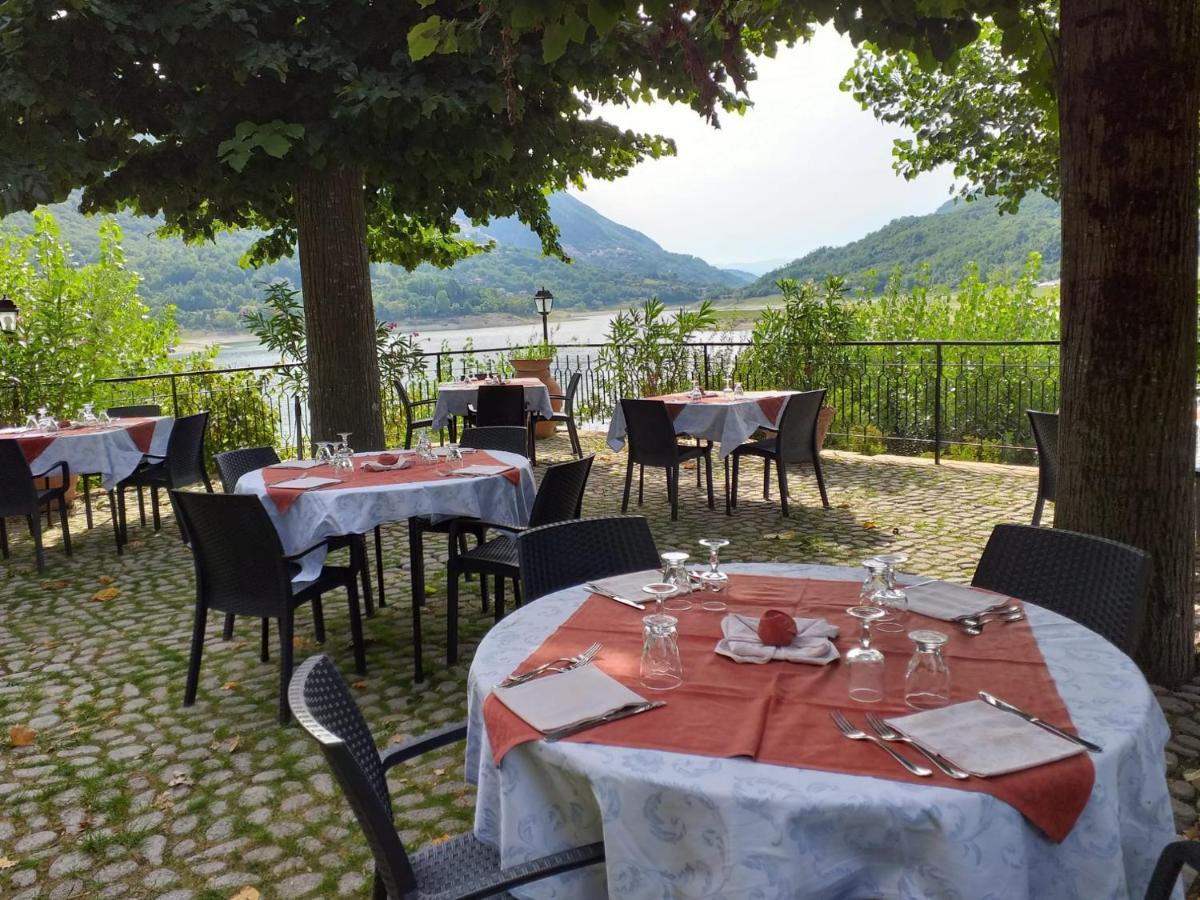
[124, 793]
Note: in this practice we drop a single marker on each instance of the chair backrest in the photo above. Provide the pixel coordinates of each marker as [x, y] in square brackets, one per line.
[506, 438]
[1045, 435]
[798, 427]
[322, 705]
[233, 464]
[560, 495]
[133, 412]
[500, 404]
[236, 550]
[1097, 582]
[651, 435]
[405, 400]
[558, 556]
[18, 494]
[185, 451]
[1171, 861]
[572, 388]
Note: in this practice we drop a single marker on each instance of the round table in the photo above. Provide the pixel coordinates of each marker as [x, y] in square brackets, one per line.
[683, 826]
[107, 451]
[454, 397]
[727, 420]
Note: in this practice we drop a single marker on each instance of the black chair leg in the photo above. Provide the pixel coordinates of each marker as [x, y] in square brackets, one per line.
[708, 476]
[452, 608]
[697, 465]
[415, 552]
[767, 478]
[358, 562]
[820, 480]
[499, 596]
[628, 483]
[227, 631]
[408, 437]
[4, 537]
[286, 631]
[453, 430]
[116, 520]
[733, 489]
[379, 566]
[783, 486]
[725, 466]
[356, 629]
[141, 506]
[62, 520]
[1037, 511]
[154, 507]
[517, 599]
[264, 648]
[193, 672]
[35, 529]
[85, 486]
[673, 490]
[641, 484]
[574, 433]
[318, 611]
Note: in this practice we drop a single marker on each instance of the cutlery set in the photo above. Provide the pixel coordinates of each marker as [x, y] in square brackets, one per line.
[973, 624]
[562, 664]
[595, 589]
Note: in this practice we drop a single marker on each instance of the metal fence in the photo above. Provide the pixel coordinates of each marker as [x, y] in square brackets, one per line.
[958, 399]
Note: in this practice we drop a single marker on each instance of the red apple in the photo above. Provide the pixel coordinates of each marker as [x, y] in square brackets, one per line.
[388, 459]
[776, 628]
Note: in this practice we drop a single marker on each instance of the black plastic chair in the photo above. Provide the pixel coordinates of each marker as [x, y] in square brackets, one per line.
[457, 869]
[564, 554]
[652, 442]
[85, 486]
[559, 498]
[1171, 861]
[1045, 435]
[1096, 582]
[505, 438]
[413, 422]
[241, 569]
[182, 465]
[500, 404]
[567, 413]
[20, 496]
[794, 444]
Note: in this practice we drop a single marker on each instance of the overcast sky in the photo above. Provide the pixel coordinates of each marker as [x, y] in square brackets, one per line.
[805, 167]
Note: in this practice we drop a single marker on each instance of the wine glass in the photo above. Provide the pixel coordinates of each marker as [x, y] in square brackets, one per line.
[738, 390]
[323, 452]
[714, 580]
[875, 581]
[659, 590]
[729, 384]
[866, 664]
[675, 573]
[895, 607]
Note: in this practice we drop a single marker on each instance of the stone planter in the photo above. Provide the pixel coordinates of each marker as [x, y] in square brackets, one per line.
[539, 369]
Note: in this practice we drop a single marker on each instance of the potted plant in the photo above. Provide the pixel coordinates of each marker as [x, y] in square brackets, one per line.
[533, 361]
[800, 345]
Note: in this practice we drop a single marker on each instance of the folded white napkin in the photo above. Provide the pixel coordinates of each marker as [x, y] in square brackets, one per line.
[984, 740]
[630, 586]
[299, 464]
[306, 482]
[376, 466]
[944, 600]
[812, 644]
[480, 470]
[556, 701]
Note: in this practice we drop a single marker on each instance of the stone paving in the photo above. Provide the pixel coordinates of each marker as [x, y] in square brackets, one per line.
[122, 792]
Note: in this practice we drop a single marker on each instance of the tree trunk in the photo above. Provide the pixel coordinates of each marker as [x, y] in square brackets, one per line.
[339, 316]
[1129, 103]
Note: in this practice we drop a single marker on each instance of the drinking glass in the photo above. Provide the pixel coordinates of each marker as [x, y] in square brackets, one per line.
[46, 422]
[865, 662]
[891, 561]
[454, 456]
[695, 393]
[927, 681]
[324, 451]
[675, 573]
[424, 446]
[714, 580]
[87, 414]
[729, 384]
[32, 422]
[894, 603]
[661, 668]
[738, 390]
[875, 581]
[660, 591]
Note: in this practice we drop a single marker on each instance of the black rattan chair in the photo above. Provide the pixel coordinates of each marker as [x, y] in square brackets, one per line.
[20, 496]
[652, 442]
[1170, 863]
[1098, 583]
[412, 421]
[1045, 435]
[559, 498]
[233, 464]
[794, 444]
[505, 438]
[141, 410]
[241, 569]
[567, 413]
[564, 554]
[182, 465]
[460, 868]
[500, 404]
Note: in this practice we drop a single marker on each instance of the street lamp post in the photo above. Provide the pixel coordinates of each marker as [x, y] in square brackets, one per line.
[8, 315]
[543, 300]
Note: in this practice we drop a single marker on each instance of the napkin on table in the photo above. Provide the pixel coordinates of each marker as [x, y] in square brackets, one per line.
[812, 644]
[299, 464]
[944, 600]
[630, 586]
[305, 482]
[372, 465]
[556, 701]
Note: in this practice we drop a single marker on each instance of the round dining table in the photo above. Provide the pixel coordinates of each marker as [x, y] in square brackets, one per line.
[728, 419]
[109, 450]
[455, 397]
[686, 826]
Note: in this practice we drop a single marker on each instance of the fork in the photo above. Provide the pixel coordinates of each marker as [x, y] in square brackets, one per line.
[888, 733]
[855, 734]
[562, 664]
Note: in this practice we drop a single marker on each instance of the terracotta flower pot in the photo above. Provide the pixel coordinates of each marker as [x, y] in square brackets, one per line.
[824, 420]
[540, 369]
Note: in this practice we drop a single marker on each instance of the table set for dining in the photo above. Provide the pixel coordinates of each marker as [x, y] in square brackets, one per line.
[755, 769]
[457, 398]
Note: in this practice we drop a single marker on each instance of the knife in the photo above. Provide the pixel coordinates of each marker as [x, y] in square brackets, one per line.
[624, 712]
[611, 596]
[1008, 707]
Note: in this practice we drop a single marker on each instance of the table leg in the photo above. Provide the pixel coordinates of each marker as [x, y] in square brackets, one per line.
[416, 561]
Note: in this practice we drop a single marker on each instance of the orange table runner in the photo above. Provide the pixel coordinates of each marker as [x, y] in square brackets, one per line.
[677, 403]
[779, 713]
[140, 430]
[417, 470]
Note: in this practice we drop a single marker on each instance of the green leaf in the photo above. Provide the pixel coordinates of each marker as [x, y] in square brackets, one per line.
[554, 41]
[423, 38]
[275, 144]
[603, 16]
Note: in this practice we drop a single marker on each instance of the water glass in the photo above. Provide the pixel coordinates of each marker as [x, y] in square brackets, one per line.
[738, 390]
[675, 573]
[695, 393]
[660, 591]
[894, 603]
[661, 668]
[728, 384]
[714, 580]
[875, 581]
[323, 451]
[866, 664]
[87, 414]
[927, 681]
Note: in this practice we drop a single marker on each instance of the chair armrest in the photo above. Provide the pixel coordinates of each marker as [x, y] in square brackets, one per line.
[558, 397]
[476, 524]
[413, 404]
[66, 471]
[153, 456]
[316, 546]
[537, 869]
[1170, 863]
[449, 734]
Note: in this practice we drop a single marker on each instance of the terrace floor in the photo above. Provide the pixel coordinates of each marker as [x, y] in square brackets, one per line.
[124, 793]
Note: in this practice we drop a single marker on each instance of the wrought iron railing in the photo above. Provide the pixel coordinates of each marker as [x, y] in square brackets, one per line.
[962, 399]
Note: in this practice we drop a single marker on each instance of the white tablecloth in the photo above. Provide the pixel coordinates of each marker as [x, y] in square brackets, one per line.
[319, 514]
[453, 399]
[683, 826]
[112, 454]
[729, 422]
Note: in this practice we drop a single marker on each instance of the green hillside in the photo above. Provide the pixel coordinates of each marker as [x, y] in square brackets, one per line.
[613, 265]
[957, 234]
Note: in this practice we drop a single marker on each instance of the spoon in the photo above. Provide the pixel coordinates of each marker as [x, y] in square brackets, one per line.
[994, 611]
[977, 627]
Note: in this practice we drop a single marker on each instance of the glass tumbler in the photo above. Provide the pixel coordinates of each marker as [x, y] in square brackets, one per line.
[866, 664]
[894, 603]
[927, 681]
[662, 669]
[675, 573]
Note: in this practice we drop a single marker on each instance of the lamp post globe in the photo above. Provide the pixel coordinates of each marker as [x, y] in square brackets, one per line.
[543, 301]
[8, 314]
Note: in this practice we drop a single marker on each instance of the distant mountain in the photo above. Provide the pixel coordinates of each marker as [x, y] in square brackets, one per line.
[613, 265]
[755, 267]
[956, 234]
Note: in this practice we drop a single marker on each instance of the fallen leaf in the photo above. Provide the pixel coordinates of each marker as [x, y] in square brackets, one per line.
[6, 863]
[234, 743]
[439, 772]
[299, 642]
[869, 525]
[1192, 775]
[246, 893]
[164, 801]
[21, 736]
[843, 506]
[103, 596]
[430, 590]
[359, 685]
[440, 839]
[106, 579]
[398, 739]
[56, 585]
[180, 778]
[229, 686]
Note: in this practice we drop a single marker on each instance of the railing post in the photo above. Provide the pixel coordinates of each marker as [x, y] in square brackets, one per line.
[296, 417]
[175, 395]
[706, 367]
[437, 365]
[937, 404]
